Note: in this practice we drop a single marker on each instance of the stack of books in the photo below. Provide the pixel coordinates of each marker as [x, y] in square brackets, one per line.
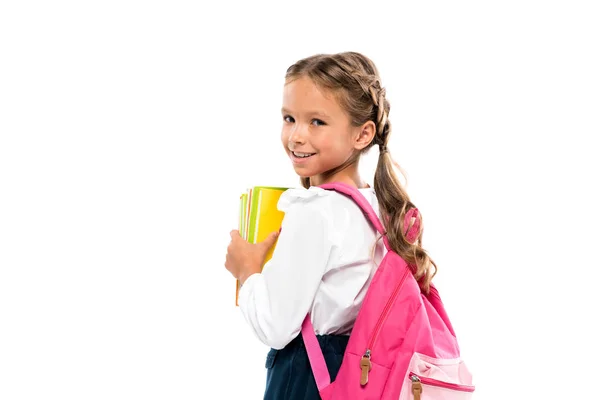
[259, 217]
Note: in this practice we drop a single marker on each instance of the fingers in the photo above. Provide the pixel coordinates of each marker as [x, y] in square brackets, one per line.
[270, 240]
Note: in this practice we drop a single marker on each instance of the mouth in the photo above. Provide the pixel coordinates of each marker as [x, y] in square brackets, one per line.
[300, 157]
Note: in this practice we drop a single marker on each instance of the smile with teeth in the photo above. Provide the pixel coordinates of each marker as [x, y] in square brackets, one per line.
[303, 155]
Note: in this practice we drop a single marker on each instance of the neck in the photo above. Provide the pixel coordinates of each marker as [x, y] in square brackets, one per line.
[349, 175]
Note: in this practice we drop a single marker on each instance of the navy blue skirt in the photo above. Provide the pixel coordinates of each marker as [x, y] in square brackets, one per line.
[289, 375]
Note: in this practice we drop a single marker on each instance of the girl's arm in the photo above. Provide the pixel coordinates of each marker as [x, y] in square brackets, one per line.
[276, 301]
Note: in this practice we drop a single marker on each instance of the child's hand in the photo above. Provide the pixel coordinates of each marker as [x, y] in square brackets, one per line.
[244, 259]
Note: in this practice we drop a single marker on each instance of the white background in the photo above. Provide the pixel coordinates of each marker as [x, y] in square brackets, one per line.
[129, 129]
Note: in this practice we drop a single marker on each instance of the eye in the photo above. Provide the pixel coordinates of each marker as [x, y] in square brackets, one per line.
[288, 119]
[318, 122]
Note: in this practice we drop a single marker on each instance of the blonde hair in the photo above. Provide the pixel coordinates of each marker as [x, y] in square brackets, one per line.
[355, 82]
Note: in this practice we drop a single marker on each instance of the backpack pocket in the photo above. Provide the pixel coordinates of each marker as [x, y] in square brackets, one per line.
[440, 379]
[423, 388]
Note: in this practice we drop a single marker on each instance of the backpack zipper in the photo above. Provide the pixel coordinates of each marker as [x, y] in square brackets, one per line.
[417, 388]
[365, 361]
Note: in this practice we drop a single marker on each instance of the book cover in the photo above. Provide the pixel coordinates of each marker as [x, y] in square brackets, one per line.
[259, 217]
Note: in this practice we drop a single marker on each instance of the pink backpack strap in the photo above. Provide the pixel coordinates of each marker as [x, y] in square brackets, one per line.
[313, 349]
[365, 206]
[315, 355]
[367, 209]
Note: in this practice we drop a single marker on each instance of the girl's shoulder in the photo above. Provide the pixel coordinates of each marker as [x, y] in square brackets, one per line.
[318, 197]
[313, 204]
[292, 196]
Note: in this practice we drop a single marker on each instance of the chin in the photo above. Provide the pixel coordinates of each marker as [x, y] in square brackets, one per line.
[303, 173]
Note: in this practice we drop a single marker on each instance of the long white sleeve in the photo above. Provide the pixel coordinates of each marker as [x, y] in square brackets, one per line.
[276, 301]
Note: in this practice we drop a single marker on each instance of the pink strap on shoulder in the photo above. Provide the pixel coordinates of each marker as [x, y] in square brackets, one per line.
[364, 205]
[315, 355]
[367, 209]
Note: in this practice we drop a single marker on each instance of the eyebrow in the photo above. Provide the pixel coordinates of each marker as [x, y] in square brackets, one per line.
[311, 113]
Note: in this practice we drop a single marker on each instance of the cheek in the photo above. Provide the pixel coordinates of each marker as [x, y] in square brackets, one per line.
[338, 146]
[331, 142]
[285, 137]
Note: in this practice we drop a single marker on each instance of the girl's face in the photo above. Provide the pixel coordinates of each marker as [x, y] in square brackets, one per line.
[314, 123]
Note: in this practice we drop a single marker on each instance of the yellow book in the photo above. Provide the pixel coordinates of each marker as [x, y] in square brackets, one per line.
[259, 217]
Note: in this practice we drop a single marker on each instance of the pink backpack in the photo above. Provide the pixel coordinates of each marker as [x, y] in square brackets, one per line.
[402, 345]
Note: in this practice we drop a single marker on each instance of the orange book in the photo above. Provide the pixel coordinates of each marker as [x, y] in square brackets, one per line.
[259, 217]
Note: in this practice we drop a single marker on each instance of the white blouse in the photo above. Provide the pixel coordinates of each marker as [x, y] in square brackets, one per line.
[322, 264]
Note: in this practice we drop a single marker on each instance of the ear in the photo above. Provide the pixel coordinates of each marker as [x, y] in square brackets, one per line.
[364, 135]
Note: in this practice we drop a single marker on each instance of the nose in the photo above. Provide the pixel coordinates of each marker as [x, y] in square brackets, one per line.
[297, 134]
